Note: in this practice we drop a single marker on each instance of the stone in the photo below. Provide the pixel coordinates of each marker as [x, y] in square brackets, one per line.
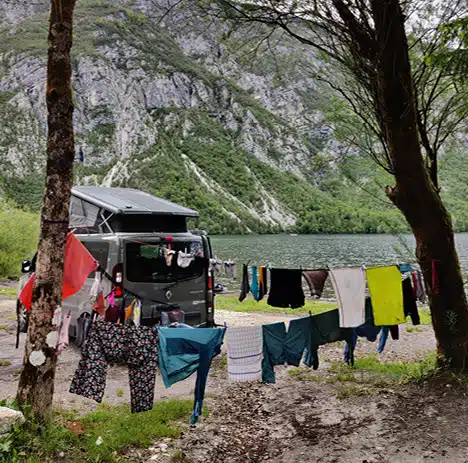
[8, 418]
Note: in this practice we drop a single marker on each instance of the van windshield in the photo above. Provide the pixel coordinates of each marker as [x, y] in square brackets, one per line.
[146, 262]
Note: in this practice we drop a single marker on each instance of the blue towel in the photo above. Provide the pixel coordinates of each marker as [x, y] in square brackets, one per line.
[183, 351]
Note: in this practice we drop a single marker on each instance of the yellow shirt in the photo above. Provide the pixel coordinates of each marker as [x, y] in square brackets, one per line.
[386, 293]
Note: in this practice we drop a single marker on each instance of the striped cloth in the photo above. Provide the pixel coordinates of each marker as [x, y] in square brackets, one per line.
[245, 353]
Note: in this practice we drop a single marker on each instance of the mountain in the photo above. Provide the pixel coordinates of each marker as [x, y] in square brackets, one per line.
[179, 106]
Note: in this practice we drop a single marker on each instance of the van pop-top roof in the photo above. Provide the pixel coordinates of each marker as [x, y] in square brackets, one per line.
[103, 210]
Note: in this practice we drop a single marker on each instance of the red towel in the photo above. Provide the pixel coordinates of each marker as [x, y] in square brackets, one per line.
[79, 263]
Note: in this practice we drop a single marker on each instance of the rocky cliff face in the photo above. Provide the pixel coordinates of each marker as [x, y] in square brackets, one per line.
[183, 109]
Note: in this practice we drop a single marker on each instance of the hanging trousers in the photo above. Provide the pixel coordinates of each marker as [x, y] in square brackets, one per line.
[137, 346]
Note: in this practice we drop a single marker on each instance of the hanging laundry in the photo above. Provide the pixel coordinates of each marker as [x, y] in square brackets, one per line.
[168, 256]
[230, 269]
[421, 291]
[350, 289]
[405, 268]
[368, 330]
[96, 287]
[325, 328]
[79, 263]
[286, 288]
[112, 314]
[184, 259]
[245, 353]
[387, 295]
[215, 266]
[183, 351]
[254, 286]
[282, 347]
[245, 285]
[111, 343]
[100, 304]
[409, 302]
[63, 337]
[137, 313]
[316, 280]
[262, 282]
[395, 333]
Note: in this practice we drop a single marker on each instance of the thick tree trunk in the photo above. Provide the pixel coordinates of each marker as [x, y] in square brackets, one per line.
[414, 193]
[36, 385]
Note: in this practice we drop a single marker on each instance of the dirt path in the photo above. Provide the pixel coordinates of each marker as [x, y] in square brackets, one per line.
[302, 418]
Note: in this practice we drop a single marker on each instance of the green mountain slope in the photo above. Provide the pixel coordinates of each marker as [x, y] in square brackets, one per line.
[179, 109]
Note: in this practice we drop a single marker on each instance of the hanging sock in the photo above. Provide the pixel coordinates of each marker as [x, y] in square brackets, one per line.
[350, 289]
[245, 285]
[386, 292]
[316, 280]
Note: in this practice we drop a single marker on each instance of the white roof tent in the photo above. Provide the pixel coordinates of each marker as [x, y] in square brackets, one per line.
[96, 209]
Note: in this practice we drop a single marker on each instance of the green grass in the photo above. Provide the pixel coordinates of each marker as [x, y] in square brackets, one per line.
[425, 316]
[249, 305]
[10, 293]
[5, 363]
[19, 231]
[414, 329]
[119, 392]
[397, 372]
[118, 428]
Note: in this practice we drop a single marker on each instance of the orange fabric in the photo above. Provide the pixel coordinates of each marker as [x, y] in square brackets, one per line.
[79, 263]
[129, 310]
[100, 304]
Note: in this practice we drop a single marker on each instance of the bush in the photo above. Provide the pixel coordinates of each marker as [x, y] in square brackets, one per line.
[19, 232]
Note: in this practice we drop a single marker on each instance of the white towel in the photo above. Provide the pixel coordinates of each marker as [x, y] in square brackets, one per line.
[350, 289]
[245, 353]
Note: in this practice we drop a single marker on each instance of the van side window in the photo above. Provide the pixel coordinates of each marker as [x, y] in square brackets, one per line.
[100, 251]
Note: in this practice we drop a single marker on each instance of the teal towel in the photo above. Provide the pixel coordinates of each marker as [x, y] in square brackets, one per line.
[182, 351]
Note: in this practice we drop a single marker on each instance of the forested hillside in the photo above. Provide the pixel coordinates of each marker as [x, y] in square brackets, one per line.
[188, 111]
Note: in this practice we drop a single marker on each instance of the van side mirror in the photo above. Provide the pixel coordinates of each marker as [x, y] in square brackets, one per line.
[26, 266]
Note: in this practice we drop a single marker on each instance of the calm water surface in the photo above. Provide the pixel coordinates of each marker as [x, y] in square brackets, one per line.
[315, 251]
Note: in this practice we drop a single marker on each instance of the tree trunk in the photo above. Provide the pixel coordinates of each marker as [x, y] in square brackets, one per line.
[36, 385]
[414, 193]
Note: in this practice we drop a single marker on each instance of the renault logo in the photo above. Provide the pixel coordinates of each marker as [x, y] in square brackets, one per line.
[168, 295]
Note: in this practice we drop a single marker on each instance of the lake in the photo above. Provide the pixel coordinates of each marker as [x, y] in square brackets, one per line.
[315, 251]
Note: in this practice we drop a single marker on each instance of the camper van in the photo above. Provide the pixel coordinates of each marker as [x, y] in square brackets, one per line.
[126, 230]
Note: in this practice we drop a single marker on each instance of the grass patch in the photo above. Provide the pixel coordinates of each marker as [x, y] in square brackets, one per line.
[118, 428]
[397, 372]
[345, 391]
[3, 327]
[5, 363]
[425, 316]
[24, 227]
[10, 293]
[414, 329]
[119, 392]
[249, 305]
